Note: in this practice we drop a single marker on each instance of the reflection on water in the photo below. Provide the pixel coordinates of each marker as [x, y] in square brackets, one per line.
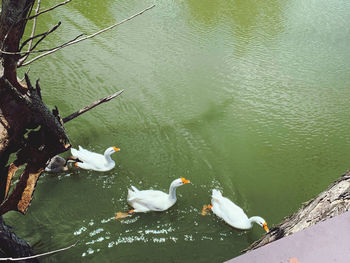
[245, 22]
[250, 97]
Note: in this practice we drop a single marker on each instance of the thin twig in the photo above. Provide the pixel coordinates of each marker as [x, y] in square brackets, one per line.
[42, 35]
[40, 255]
[48, 10]
[42, 50]
[45, 35]
[87, 37]
[92, 105]
[34, 26]
[27, 71]
[71, 42]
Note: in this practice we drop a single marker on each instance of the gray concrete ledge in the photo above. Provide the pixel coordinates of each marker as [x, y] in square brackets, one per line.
[325, 242]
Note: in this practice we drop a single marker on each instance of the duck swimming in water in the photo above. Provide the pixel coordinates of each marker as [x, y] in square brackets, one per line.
[94, 161]
[231, 213]
[152, 200]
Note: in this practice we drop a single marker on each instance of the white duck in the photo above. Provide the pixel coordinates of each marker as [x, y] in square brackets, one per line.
[231, 213]
[152, 200]
[94, 161]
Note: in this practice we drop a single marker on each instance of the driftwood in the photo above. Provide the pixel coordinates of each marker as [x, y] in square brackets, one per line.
[332, 202]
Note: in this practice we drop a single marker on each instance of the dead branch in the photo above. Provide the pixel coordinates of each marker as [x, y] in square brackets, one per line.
[48, 10]
[33, 101]
[11, 172]
[21, 111]
[85, 38]
[37, 147]
[42, 35]
[45, 35]
[34, 24]
[31, 35]
[40, 255]
[33, 28]
[66, 44]
[21, 197]
[91, 106]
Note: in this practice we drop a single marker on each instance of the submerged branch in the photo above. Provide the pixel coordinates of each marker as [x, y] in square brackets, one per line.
[40, 255]
[91, 106]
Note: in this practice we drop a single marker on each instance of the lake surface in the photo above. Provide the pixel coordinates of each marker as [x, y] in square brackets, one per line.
[249, 97]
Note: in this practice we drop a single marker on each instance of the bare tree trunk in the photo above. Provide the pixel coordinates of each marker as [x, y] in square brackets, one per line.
[12, 24]
[21, 111]
[27, 127]
[332, 202]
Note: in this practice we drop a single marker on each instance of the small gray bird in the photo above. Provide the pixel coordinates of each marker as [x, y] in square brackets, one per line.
[56, 164]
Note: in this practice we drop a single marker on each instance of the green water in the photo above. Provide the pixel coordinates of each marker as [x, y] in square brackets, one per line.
[250, 97]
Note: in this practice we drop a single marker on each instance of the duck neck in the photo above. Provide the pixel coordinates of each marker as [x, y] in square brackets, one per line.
[172, 193]
[255, 219]
[108, 158]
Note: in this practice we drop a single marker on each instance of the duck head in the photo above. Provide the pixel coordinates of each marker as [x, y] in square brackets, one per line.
[111, 150]
[261, 222]
[180, 181]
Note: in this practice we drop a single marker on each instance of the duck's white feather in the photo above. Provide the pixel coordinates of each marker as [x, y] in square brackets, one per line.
[87, 156]
[134, 188]
[231, 213]
[93, 161]
[154, 200]
[148, 200]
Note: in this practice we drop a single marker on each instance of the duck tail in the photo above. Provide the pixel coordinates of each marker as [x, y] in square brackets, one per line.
[133, 188]
[131, 192]
[216, 194]
[74, 151]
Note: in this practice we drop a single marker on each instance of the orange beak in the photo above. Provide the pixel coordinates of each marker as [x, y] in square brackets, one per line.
[265, 227]
[184, 181]
[116, 149]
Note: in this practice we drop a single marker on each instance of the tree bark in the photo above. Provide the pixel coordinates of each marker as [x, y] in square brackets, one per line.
[332, 202]
[27, 127]
[12, 24]
[13, 246]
